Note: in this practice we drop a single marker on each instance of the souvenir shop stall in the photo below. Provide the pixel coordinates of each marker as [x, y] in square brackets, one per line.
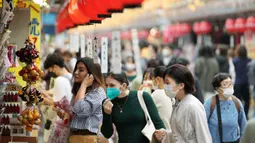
[20, 72]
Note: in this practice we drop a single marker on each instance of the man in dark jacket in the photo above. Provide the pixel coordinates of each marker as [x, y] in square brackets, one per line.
[198, 93]
[222, 59]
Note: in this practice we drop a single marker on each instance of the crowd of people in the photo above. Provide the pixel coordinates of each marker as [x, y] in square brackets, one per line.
[169, 103]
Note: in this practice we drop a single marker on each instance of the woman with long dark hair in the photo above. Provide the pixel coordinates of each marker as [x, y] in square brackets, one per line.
[88, 91]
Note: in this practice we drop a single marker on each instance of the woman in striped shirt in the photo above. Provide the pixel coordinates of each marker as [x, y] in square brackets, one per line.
[86, 105]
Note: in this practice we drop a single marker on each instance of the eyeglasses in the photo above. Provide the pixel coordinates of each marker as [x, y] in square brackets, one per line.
[227, 84]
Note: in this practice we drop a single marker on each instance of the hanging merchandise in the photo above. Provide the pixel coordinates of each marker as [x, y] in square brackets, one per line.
[104, 55]
[30, 73]
[5, 18]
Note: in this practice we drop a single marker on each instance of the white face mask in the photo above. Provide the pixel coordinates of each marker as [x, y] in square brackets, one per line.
[169, 91]
[148, 82]
[228, 92]
[130, 67]
[154, 87]
[166, 52]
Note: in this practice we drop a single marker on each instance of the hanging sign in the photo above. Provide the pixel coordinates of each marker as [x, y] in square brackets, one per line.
[35, 27]
[104, 55]
[74, 43]
[116, 52]
[83, 46]
[136, 49]
[89, 48]
[95, 50]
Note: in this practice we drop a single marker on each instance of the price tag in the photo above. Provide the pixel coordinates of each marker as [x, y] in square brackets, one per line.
[95, 50]
[12, 87]
[83, 46]
[89, 48]
[116, 52]
[104, 55]
[136, 49]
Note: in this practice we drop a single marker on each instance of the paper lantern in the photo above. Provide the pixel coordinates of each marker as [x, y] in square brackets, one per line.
[115, 6]
[250, 23]
[196, 28]
[101, 7]
[185, 28]
[230, 25]
[76, 14]
[205, 27]
[132, 3]
[240, 25]
[87, 7]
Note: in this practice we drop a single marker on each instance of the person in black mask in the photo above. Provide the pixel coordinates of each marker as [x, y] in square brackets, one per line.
[59, 94]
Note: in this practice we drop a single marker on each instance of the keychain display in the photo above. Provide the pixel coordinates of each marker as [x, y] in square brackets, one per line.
[31, 73]
[28, 54]
[29, 117]
[29, 94]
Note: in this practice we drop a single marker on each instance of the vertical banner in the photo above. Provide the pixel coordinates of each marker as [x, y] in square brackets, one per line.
[83, 46]
[136, 49]
[74, 43]
[116, 52]
[35, 27]
[89, 48]
[95, 50]
[104, 55]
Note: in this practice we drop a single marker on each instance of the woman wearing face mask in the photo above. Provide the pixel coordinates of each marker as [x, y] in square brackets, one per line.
[130, 69]
[125, 112]
[147, 81]
[225, 113]
[88, 90]
[162, 101]
[188, 122]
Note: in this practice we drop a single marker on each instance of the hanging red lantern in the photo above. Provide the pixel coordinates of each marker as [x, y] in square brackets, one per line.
[230, 25]
[101, 7]
[76, 15]
[115, 6]
[142, 34]
[132, 3]
[196, 28]
[240, 25]
[250, 23]
[205, 27]
[185, 28]
[87, 7]
[66, 19]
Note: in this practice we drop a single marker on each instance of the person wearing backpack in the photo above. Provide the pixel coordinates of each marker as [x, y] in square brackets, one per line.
[225, 112]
